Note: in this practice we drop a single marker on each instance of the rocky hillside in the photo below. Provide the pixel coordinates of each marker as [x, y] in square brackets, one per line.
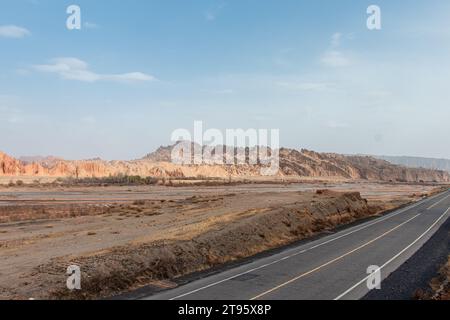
[293, 163]
[417, 162]
[312, 164]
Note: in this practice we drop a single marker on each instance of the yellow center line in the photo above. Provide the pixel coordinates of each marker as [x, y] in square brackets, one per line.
[333, 261]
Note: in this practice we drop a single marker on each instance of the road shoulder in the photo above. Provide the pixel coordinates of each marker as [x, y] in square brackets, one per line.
[417, 272]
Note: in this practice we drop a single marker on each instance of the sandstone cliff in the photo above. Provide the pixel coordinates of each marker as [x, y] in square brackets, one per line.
[293, 163]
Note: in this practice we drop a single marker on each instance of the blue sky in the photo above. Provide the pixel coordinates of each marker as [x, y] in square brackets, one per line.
[139, 69]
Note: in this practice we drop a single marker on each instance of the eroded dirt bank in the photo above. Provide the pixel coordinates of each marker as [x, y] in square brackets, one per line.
[441, 284]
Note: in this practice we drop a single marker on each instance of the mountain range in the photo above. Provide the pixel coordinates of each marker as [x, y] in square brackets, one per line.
[293, 163]
[418, 162]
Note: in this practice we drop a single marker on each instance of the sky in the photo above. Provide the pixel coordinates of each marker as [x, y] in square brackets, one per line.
[139, 69]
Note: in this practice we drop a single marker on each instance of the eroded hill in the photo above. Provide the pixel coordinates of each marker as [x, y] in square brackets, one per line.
[293, 163]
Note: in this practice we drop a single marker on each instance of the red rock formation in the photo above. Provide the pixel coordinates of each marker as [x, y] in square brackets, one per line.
[295, 163]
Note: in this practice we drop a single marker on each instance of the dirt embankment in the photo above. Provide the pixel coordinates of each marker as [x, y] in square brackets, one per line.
[440, 285]
[123, 268]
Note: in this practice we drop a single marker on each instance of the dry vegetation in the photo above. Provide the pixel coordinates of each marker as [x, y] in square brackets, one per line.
[439, 286]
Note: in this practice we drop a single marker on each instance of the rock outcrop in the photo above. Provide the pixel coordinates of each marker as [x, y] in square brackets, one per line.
[293, 163]
[312, 164]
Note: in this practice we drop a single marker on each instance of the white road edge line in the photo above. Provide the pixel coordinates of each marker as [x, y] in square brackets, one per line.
[395, 257]
[434, 205]
[306, 250]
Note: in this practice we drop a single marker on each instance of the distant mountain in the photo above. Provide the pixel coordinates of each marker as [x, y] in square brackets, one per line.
[293, 163]
[162, 154]
[305, 163]
[417, 162]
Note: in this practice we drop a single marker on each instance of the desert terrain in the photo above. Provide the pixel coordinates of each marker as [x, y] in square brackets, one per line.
[125, 237]
[130, 224]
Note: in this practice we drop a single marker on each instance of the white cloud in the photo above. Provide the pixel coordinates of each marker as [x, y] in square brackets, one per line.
[22, 72]
[306, 86]
[76, 69]
[334, 58]
[336, 40]
[210, 16]
[10, 114]
[89, 120]
[131, 76]
[212, 13]
[90, 25]
[12, 31]
[337, 125]
[223, 91]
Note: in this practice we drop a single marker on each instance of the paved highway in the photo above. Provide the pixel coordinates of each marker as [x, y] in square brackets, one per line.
[333, 267]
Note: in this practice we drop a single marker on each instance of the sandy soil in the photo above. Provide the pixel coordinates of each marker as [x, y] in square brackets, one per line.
[44, 230]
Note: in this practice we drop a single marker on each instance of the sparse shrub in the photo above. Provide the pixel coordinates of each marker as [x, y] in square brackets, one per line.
[119, 179]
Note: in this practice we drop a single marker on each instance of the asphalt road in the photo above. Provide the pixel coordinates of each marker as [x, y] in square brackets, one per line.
[333, 267]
